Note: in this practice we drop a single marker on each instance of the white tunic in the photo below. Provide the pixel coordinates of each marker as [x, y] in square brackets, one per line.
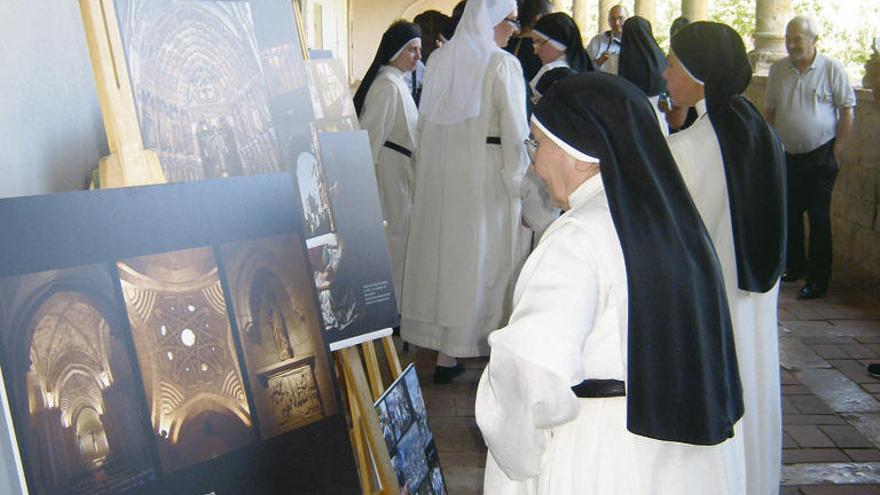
[698, 155]
[465, 230]
[570, 323]
[390, 115]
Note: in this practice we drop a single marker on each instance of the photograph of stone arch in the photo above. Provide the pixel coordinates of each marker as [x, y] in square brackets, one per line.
[280, 331]
[70, 380]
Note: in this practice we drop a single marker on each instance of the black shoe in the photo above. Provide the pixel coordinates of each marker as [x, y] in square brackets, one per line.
[874, 370]
[445, 374]
[792, 276]
[812, 291]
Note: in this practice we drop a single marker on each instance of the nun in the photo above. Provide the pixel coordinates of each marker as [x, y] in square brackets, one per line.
[466, 236]
[734, 167]
[616, 373]
[642, 63]
[558, 43]
[387, 111]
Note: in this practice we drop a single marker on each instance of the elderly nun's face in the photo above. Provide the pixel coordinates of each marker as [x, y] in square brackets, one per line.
[546, 51]
[560, 171]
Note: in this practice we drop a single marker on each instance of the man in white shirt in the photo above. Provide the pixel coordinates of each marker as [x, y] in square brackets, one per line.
[604, 48]
[809, 102]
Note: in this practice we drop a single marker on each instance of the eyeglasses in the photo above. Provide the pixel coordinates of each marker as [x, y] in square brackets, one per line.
[531, 147]
[539, 44]
[513, 22]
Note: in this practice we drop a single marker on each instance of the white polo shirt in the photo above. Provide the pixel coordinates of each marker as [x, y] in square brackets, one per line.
[807, 103]
[601, 43]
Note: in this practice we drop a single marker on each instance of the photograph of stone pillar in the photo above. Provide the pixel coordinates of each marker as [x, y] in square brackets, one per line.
[187, 357]
[204, 75]
[70, 379]
[279, 328]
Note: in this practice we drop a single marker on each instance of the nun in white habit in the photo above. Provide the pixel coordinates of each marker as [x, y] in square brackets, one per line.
[465, 242]
[388, 112]
[734, 166]
[616, 373]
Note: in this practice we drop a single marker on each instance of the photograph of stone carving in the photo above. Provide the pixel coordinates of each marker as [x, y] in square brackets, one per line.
[70, 379]
[187, 356]
[279, 328]
[210, 79]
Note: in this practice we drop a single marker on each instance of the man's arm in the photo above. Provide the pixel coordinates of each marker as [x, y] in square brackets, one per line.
[844, 126]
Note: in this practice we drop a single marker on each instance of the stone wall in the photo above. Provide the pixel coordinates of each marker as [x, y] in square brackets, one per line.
[854, 206]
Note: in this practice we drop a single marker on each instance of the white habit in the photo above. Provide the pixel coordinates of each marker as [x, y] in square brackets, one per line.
[465, 235]
[390, 116]
[698, 155]
[569, 323]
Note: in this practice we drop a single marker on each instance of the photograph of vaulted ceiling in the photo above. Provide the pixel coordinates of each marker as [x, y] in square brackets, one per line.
[186, 355]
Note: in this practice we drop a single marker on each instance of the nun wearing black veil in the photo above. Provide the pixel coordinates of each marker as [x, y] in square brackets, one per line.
[616, 373]
[558, 43]
[642, 63]
[388, 113]
[734, 166]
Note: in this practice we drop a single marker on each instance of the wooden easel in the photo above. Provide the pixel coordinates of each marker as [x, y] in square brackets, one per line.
[129, 164]
[371, 453]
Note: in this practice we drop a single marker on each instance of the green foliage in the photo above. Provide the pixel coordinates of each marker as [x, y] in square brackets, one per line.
[738, 14]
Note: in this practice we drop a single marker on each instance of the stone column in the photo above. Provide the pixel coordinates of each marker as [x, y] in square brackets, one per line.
[771, 16]
[579, 14]
[646, 9]
[695, 10]
[604, 7]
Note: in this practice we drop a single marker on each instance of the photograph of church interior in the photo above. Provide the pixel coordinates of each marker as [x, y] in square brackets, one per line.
[121, 373]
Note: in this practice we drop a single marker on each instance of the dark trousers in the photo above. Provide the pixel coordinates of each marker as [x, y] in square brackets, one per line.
[810, 178]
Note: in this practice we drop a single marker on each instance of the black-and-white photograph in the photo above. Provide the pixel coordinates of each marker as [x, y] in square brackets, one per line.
[404, 422]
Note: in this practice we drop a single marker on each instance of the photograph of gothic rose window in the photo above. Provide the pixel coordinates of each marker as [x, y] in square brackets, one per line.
[186, 353]
[212, 80]
[69, 379]
[279, 328]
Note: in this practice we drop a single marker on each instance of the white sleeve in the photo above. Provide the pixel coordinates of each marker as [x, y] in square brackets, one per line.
[770, 92]
[844, 96]
[526, 388]
[509, 93]
[377, 117]
[595, 46]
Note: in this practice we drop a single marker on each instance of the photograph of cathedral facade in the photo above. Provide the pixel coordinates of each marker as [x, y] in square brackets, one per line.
[69, 377]
[205, 75]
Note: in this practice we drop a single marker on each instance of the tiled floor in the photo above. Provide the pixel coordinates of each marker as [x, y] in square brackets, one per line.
[831, 406]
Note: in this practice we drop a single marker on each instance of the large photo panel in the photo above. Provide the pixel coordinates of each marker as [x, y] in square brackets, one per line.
[222, 89]
[166, 339]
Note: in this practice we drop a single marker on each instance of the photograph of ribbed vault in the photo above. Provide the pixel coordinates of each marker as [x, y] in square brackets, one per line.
[186, 355]
[280, 330]
[71, 379]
